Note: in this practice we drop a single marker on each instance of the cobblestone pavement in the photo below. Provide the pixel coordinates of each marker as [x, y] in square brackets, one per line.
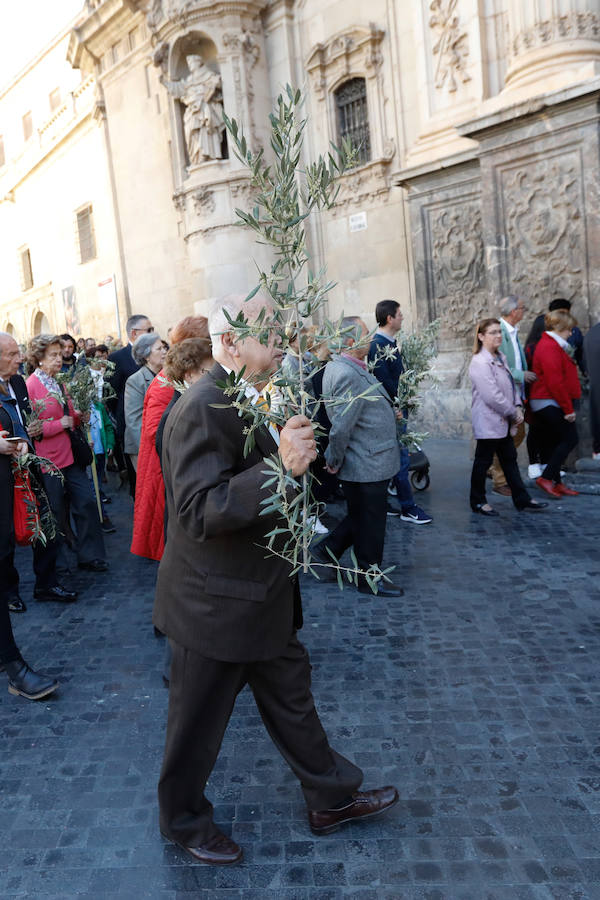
[476, 693]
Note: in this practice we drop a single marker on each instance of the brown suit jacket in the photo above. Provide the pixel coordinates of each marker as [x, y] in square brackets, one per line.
[218, 592]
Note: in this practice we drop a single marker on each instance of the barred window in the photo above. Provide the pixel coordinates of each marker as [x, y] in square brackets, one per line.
[86, 239]
[25, 267]
[353, 117]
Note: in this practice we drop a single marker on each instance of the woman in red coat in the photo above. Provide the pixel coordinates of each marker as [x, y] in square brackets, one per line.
[149, 511]
[552, 397]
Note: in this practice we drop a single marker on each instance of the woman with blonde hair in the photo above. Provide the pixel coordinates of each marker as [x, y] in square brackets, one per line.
[552, 400]
[495, 409]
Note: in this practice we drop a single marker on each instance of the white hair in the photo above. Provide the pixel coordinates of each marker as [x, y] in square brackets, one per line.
[233, 305]
[507, 304]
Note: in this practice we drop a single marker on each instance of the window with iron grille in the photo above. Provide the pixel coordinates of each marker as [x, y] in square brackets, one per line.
[26, 270]
[353, 117]
[86, 239]
[27, 125]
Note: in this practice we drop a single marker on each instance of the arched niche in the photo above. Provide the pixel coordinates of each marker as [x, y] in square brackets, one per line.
[9, 328]
[194, 43]
[41, 325]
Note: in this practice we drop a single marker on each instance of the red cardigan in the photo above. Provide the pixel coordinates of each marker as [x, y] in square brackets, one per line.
[55, 443]
[149, 511]
[556, 372]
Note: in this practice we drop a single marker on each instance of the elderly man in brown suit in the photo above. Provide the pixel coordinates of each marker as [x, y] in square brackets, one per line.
[230, 613]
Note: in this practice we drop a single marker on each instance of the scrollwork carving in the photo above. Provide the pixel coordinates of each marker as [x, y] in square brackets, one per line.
[451, 47]
[204, 201]
[458, 267]
[545, 229]
[354, 50]
[570, 26]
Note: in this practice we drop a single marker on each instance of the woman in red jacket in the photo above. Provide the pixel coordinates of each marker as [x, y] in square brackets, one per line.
[552, 397]
[149, 512]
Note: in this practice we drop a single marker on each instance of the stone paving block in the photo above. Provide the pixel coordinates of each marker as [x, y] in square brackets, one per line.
[477, 693]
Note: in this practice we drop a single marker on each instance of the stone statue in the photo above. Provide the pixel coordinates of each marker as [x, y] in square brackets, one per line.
[202, 97]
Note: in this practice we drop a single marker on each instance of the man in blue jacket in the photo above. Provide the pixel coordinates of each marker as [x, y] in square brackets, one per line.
[388, 369]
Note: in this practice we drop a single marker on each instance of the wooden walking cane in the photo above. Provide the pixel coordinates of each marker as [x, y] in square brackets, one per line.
[88, 434]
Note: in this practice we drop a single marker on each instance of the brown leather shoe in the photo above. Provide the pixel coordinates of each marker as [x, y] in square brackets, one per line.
[219, 850]
[362, 805]
[503, 490]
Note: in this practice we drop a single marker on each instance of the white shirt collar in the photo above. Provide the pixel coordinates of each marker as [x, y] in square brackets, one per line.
[253, 395]
[559, 340]
[510, 327]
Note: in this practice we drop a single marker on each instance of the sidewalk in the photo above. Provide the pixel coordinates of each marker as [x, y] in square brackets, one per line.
[477, 693]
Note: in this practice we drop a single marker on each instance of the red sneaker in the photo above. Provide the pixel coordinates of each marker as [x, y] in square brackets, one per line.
[564, 490]
[548, 486]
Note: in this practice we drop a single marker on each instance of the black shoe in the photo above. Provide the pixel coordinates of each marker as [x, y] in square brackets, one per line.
[107, 526]
[94, 565]
[56, 593]
[485, 512]
[25, 682]
[104, 498]
[533, 506]
[384, 590]
[16, 605]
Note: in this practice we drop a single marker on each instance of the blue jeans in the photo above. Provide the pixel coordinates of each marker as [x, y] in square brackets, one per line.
[401, 482]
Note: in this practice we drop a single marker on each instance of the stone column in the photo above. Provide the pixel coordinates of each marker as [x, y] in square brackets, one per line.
[551, 39]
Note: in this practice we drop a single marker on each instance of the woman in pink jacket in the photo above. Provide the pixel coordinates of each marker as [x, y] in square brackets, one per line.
[496, 406]
[45, 357]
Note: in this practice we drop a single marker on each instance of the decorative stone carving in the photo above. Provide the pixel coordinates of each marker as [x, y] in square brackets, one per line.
[350, 52]
[451, 47]
[572, 25]
[545, 229]
[244, 42]
[365, 185]
[154, 14]
[202, 97]
[204, 201]
[179, 201]
[458, 266]
[160, 57]
[242, 193]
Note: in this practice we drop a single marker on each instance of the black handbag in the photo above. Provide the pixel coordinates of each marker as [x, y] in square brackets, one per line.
[82, 452]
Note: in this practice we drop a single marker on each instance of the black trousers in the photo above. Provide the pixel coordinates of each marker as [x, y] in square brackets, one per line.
[90, 543]
[364, 525]
[507, 456]
[558, 437]
[201, 698]
[8, 649]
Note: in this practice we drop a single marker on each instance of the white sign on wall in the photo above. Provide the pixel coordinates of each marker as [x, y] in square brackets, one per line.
[107, 294]
[358, 221]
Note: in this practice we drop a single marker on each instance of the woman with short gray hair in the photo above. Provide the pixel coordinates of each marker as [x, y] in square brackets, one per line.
[149, 353]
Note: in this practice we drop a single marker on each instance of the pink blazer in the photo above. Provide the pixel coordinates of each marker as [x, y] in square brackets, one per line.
[55, 444]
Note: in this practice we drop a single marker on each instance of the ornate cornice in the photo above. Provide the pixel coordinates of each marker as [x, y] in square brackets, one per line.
[568, 27]
[354, 51]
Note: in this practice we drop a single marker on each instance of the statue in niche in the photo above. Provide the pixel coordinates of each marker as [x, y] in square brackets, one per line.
[201, 94]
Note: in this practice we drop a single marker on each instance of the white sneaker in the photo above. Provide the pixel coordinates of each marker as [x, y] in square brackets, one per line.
[317, 526]
[535, 470]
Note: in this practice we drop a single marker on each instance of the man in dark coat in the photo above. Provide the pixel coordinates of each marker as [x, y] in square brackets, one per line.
[230, 610]
[15, 440]
[591, 347]
[125, 365]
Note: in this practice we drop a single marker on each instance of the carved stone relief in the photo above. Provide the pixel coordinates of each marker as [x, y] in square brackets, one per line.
[451, 47]
[204, 201]
[369, 184]
[354, 50]
[458, 266]
[545, 228]
[570, 26]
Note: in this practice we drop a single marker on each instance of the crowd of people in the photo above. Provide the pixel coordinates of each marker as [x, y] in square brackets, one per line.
[160, 418]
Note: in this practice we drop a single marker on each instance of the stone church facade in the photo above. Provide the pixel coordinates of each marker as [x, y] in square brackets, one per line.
[479, 160]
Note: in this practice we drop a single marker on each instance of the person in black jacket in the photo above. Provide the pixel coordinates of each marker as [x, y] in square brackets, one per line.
[125, 365]
[22, 680]
[538, 328]
[386, 354]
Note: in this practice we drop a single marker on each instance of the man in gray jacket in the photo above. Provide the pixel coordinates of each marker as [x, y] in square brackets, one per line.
[363, 452]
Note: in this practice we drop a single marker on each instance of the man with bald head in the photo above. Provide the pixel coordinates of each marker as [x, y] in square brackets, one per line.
[230, 610]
